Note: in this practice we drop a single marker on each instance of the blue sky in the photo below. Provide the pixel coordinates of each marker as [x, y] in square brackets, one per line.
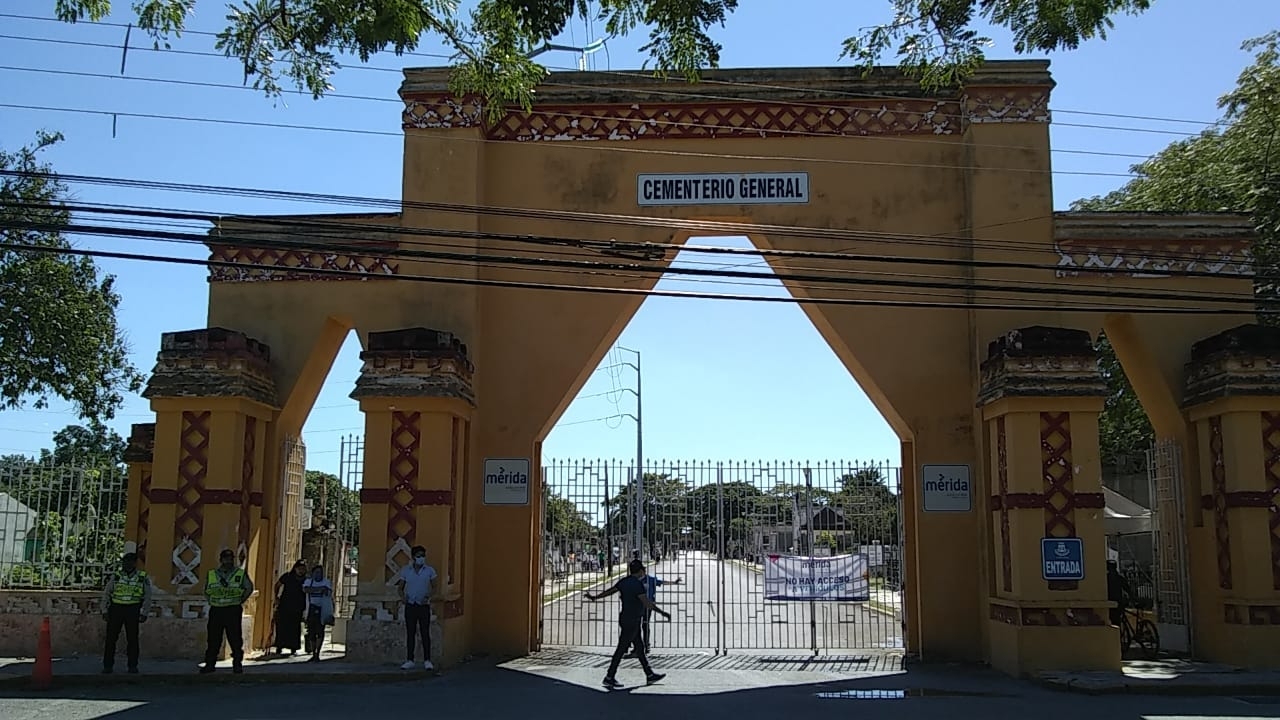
[711, 390]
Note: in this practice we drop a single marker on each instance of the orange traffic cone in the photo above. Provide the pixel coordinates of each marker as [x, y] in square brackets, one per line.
[42, 671]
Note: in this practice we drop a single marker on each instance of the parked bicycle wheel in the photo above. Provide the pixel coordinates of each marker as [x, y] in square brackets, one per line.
[1147, 638]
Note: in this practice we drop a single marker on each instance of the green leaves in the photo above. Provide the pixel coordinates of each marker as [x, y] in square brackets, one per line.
[296, 42]
[58, 330]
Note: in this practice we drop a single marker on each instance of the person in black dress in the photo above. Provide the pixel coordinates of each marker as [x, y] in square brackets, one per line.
[291, 603]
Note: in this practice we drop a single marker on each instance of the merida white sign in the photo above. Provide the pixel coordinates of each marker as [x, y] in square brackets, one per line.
[506, 481]
[723, 189]
[946, 488]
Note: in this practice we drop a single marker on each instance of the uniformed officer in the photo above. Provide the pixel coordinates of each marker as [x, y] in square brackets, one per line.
[226, 588]
[126, 600]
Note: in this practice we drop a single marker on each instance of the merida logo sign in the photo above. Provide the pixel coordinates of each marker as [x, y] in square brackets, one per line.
[506, 481]
[946, 488]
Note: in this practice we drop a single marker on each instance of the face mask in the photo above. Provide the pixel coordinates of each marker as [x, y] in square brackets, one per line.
[419, 561]
[317, 576]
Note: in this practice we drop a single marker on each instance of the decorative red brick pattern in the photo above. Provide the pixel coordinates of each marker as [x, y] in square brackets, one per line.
[1221, 528]
[1251, 614]
[454, 466]
[460, 577]
[247, 471]
[1015, 103]
[1271, 461]
[1002, 470]
[144, 511]
[1005, 614]
[1062, 617]
[1059, 501]
[267, 264]
[406, 440]
[193, 468]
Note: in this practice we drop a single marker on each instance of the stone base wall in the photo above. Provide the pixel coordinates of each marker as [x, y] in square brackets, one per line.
[377, 634]
[176, 628]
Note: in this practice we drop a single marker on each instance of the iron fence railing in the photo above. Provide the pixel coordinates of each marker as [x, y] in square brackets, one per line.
[706, 529]
[61, 526]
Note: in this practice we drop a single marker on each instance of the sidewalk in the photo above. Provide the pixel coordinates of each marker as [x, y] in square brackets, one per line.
[1167, 676]
[332, 668]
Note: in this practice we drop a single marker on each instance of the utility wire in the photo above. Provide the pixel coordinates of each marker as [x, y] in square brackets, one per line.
[633, 75]
[595, 219]
[487, 282]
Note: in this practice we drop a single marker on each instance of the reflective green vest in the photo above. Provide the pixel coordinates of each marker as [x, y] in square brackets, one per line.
[129, 589]
[226, 594]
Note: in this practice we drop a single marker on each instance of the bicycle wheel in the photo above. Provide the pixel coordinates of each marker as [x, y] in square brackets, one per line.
[1126, 636]
[1148, 638]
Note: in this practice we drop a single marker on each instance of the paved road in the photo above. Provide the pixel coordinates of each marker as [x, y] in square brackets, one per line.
[570, 693]
[707, 617]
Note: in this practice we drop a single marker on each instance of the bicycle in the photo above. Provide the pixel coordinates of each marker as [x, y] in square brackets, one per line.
[1139, 631]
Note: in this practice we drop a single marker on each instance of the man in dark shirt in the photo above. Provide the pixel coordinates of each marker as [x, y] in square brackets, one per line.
[635, 604]
[1117, 592]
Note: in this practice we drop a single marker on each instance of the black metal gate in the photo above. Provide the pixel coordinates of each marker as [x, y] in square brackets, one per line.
[707, 530]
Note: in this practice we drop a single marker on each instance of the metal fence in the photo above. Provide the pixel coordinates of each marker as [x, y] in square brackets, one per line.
[706, 530]
[61, 527]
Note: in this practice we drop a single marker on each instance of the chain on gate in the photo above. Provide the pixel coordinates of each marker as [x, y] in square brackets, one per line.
[708, 531]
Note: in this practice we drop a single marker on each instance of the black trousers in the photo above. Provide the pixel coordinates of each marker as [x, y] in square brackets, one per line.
[118, 617]
[644, 630]
[417, 621]
[629, 637]
[224, 621]
[315, 631]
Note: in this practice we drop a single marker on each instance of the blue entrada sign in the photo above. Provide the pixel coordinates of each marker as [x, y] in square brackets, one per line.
[1062, 558]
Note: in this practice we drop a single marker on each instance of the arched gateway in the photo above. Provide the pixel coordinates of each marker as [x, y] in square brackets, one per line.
[990, 376]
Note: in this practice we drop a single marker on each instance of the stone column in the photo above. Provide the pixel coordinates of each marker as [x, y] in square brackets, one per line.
[213, 396]
[1041, 395]
[138, 454]
[415, 390]
[1232, 399]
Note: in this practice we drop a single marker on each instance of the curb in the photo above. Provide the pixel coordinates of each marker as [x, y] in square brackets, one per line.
[583, 589]
[222, 677]
[1158, 688]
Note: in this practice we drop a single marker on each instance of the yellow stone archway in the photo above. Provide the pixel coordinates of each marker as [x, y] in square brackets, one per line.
[946, 197]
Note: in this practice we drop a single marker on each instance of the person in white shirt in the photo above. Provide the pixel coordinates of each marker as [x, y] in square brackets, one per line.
[319, 593]
[416, 582]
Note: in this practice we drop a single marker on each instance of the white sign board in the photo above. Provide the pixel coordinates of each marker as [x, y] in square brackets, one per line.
[795, 577]
[946, 488]
[506, 481]
[723, 189]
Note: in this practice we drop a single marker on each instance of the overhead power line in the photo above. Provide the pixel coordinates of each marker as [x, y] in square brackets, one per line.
[596, 219]
[818, 280]
[633, 75]
[563, 287]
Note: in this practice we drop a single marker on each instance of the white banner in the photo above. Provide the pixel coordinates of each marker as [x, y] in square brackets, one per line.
[795, 577]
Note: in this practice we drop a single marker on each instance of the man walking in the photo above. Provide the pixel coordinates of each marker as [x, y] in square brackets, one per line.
[651, 583]
[416, 582]
[226, 588]
[126, 600]
[635, 601]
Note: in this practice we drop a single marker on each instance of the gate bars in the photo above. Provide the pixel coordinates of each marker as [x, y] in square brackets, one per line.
[707, 529]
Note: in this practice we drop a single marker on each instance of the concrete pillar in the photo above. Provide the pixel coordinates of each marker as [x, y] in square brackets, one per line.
[214, 399]
[1232, 399]
[1040, 397]
[415, 390]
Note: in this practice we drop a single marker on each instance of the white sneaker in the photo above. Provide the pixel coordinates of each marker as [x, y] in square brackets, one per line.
[428, 666]
[408, 665]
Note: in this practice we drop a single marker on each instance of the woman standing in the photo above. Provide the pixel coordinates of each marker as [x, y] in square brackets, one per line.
[319, 592]
[291, 603]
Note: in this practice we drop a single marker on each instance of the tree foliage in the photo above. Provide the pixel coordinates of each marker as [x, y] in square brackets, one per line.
[1230, 167]
[337, 504]
[281, 42]
[58, 330]
[70, 512]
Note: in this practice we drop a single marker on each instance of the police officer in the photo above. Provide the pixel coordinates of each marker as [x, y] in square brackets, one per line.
[226, 588]
[126, 600]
